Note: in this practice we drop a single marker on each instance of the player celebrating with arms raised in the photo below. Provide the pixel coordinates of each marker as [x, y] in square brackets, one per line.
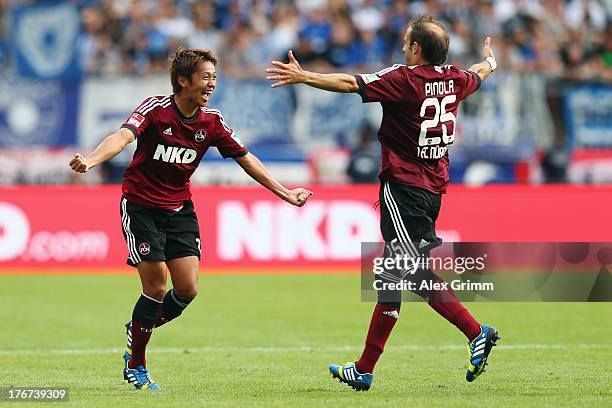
[158, 218]
[420, 102]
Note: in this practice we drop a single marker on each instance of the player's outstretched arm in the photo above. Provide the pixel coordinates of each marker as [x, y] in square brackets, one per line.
[483, 69]
[255, 168]
[109, 148]
[292, 73]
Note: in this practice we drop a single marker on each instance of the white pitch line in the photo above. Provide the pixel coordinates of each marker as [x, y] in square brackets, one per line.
[299, 349]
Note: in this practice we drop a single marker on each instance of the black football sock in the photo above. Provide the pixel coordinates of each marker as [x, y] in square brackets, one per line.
[143, 321]
[171, 308]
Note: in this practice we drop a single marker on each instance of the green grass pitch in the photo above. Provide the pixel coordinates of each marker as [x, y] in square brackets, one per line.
[253, 340]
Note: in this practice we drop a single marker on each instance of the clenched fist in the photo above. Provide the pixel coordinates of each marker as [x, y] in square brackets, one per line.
[298, 196]
[79, 164]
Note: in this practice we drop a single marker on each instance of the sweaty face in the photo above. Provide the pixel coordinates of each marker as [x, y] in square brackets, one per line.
[202, 84]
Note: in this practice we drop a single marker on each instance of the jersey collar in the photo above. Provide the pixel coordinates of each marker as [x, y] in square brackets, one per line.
[183, 117]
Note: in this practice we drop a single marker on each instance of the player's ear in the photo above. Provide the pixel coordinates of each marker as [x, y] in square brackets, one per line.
[182, 81]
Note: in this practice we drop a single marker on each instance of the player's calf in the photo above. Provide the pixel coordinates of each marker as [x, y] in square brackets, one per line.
[141, 328]
[128, 347]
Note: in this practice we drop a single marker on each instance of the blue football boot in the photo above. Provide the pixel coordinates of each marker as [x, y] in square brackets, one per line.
[348, 374]
[478, 351]
[139, 377]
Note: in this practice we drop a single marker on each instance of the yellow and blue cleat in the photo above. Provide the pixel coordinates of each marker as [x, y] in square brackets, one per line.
[139, 377]
[478, 351]
[348, 374]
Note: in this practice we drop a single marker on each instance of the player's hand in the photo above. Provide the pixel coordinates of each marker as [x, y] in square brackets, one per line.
[487, 51]
[79, 164]
[298, 196]
[286, 74]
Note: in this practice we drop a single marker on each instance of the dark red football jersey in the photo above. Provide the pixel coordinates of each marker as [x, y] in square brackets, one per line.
[169, 149]
[419, 119]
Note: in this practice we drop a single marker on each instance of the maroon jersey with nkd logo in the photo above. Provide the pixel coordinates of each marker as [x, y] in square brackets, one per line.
[419, 120]
[169, 149]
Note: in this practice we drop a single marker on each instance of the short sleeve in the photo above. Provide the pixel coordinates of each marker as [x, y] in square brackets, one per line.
[139, 119]
[472, 83]
[226, 140]
[391, 84]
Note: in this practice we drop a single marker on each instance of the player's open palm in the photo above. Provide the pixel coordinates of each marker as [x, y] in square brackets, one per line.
[79, 164]
[286, 74]
[298, 196]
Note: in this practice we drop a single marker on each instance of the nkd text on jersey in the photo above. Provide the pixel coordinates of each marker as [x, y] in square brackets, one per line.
[173, 154]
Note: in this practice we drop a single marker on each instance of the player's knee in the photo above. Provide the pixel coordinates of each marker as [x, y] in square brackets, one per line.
[156, 292]
[186, 293]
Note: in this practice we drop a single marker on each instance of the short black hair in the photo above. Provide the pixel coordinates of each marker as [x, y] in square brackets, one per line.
[433, 44]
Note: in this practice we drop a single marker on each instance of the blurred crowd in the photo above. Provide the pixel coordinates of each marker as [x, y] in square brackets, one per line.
[563, 39]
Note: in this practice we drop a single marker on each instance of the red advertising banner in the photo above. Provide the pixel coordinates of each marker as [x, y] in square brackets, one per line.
[78, 229]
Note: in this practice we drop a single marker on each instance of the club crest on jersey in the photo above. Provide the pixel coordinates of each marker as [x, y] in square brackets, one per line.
[200, 135]
[136, 119]
[144, 248]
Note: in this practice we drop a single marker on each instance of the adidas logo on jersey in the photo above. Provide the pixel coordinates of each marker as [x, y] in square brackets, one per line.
[173, 154]
[168, 132]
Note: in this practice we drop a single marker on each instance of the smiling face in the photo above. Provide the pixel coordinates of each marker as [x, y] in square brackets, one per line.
[193, 77]
[199, 88]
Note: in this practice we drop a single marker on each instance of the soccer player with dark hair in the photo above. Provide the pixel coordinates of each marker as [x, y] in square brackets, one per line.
[420, 102]
[157, 215]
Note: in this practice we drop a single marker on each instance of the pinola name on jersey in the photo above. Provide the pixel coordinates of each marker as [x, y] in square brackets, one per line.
[173, 154]
[439, 88]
